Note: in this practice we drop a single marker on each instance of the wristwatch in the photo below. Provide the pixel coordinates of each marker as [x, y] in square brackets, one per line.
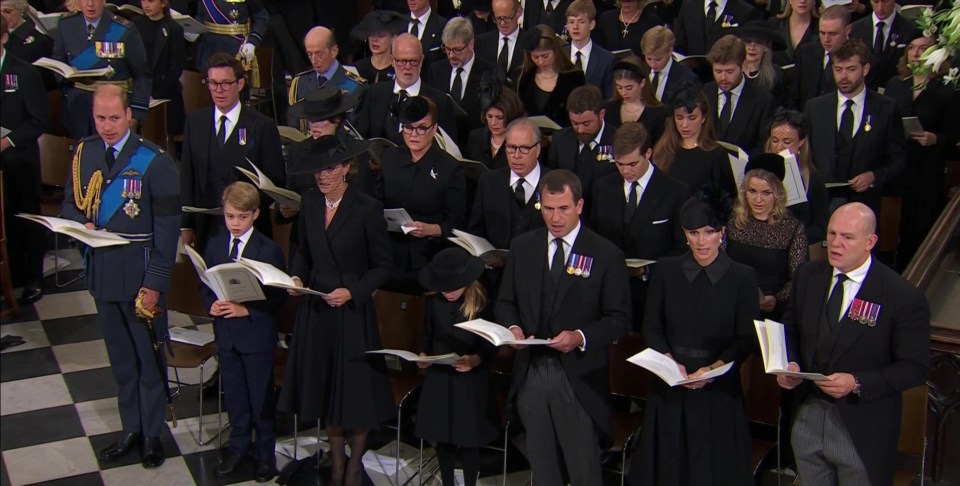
[856, 386]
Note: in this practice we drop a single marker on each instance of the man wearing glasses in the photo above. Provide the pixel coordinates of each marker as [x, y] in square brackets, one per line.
[322, 50]
[377, 118]
[637, 208]
[460, 77]
[501, 47]
[218, 139]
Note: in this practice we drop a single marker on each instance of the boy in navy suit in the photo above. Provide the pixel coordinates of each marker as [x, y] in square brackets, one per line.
[246, 335]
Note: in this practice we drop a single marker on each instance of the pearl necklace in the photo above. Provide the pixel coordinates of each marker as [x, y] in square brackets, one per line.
[332, 205]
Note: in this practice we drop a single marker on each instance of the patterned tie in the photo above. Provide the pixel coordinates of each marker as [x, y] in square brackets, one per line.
[321, 80]
[519, 194]
[235, 251]
[222, 133]
[111, 157]
[835, 302]
[90, 30]
[556, 265]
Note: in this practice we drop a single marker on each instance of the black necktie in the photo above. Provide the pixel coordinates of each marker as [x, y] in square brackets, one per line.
[835, 302]
[90, 30]
[321, 80]
[631, 203]
[725, 113]
[402, 96]
[656, 82]
[111, 157]
[503, 60]
[556, 265]
[457, 89]
[235, 251]
[222, 134]
[519, 193]
[579, 61]
[549, 8]
[711, 14]
[827, 77]
[846, 122]
[878, 41]
[415, 27]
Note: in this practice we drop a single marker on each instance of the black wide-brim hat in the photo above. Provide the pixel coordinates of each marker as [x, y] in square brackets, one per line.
[326, 151]
[379, 21]
[323, 104]
[762, 30]
[451, 269]
[710, 206]
[772, 163]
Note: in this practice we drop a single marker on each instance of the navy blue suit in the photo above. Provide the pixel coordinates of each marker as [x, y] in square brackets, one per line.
[599, 68]
[246, 347]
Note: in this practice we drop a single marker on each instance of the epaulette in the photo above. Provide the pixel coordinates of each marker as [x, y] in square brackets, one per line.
[152, 146]
[122, 21]
[355, 77]
[303, 72]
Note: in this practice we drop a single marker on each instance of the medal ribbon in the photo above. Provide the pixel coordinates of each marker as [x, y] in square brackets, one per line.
[112, 199]
[87, 58]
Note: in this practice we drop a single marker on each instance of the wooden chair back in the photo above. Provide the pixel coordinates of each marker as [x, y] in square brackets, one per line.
[55, 101]
[155, 126]
[628, 379]
[184, 295]
[195, 93]
[761, 394]
[401, 319]
[56, 162]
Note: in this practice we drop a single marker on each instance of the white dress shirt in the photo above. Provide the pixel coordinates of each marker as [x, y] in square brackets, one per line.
[467, 66]
[721, 5]
[642, 184]
[530, 182]
[734, 97]
[859, 101]
[412, 90]
[513, 38]
[662, 78]
[423, 22]
[244, 239]
[887, 25]
[233, 115]
[584, 53]
[851, 286]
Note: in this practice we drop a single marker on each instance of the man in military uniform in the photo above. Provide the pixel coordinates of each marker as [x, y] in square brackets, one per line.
[26, 114]
[128, 186]
[93, 39]
[321, 47]
[235, 26]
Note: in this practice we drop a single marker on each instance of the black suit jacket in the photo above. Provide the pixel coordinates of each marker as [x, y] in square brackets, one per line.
[29, 44]
[488, 49]
[884, 67]
[887, 358]
[203, 178]
[257, 332]
[439, 78]
[599, 306]
[374, 117]
[496, 215]
[167, 62]
[25, 112]
[750, 124]
[691, 26]
[677, 77]
[430, 38]
[809, 78]
[565, 154]
[533, 11]
[880, 149]
[599, 68]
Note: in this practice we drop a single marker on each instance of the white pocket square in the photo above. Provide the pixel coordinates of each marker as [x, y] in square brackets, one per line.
[661, 221]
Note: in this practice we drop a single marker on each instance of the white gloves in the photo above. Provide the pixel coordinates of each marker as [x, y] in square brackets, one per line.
[248, 51]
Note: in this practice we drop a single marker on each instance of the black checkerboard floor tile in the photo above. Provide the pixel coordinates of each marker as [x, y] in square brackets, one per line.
[39, 427]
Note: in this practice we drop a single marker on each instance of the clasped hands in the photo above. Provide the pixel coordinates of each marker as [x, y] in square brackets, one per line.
[336, 298]
[837, 385]
[564, 342]
[225, 308]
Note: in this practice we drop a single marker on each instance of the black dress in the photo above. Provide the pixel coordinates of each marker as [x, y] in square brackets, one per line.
[609, 31]
[551, 104]
[478, 148]
[455, 408]
[697, 167]
[372, 74]
[328, 375]
[774, 251]
[699, 315]
[785, 56]
[652, 118]
[166, 50]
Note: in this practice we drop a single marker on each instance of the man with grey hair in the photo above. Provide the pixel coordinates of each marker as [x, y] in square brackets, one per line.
[321, 47]
[376, 115]
[460, 77]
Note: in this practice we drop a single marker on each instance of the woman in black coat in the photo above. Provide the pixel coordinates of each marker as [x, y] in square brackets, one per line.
[485, 144]
[457, 409]
[164, 43]
[345, 254]
[547, 76]
[797, 25]
[429, 184]
[936, 106]
[699, 312]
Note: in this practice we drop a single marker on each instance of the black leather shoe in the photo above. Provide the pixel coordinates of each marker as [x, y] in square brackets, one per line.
[153, 455]
[31, 294]
[266, 472]
[120, 448]
[229, 464]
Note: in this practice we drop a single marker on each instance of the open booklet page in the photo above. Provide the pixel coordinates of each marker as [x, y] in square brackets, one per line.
[444, 359]
[495, 333]
[228, 281]
[668, 370]
[773, 349]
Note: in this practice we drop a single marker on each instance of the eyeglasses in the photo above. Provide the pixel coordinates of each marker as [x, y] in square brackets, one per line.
[219, 85]
[407, 62]
[454, 50]
[419, 129]
[505, 20]
[523, 149]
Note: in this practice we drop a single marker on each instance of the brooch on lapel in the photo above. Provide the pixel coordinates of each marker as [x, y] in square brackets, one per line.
[29, 40]
[894, 37]
[864, 312]
[10, 83]
[536, 205]
[604, 153]
[579, 265]
[242, 136]
[433, 173]
[164, 30]
[728, 22]
[866, 126]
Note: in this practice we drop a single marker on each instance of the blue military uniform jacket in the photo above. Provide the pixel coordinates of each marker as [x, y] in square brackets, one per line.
[140, 199]
[115, 43]
[231, 23]
[307, 82]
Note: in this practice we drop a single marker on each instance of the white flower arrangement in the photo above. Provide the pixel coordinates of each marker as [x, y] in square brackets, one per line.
[944, 28]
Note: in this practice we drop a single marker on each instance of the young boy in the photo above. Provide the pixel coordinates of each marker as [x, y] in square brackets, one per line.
[595, 61]
[246, 335]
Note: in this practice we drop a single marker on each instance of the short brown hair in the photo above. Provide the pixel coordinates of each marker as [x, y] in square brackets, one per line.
[555, 182]
[629, 137]
[509, 103]
[585, 98]
[850, 48]
[109, 90]
[582, 7]
[836, 12]
[728, 49]
[222, 59]
[657, 39]
[242, 196]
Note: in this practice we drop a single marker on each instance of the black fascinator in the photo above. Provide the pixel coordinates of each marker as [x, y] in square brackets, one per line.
[488, 89]
[710, 206]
